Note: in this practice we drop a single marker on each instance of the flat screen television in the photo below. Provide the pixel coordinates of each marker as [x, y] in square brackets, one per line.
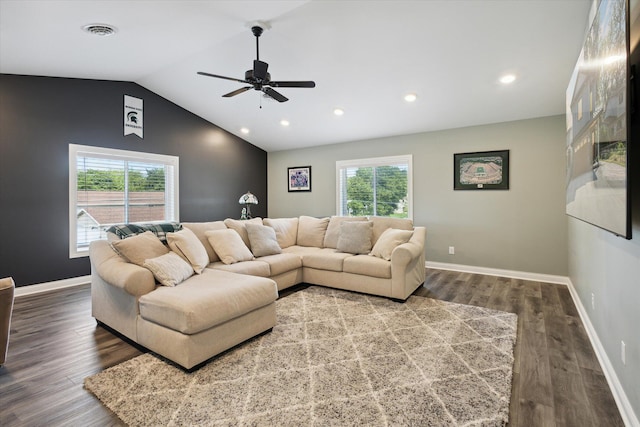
[598, 123]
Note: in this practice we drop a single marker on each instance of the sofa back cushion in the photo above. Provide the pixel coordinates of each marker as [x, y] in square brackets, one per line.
[381, 223]
[311, 231]
[333, 229]
[199, 229]
[239, 226]
[286, 230]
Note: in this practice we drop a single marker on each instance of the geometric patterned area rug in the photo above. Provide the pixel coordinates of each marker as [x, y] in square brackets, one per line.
[334, 358]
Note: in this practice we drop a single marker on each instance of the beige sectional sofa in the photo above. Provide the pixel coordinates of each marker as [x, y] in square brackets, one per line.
[213, 285]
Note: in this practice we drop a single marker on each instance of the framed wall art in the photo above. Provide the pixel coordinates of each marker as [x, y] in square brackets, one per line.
[485, 170]
[299, 178]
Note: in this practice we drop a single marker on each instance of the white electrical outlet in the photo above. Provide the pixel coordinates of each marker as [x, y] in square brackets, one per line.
[623, 349]
[593, 301]
[452, 250]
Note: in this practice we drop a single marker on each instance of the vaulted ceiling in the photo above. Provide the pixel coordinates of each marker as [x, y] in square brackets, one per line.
[364, 56]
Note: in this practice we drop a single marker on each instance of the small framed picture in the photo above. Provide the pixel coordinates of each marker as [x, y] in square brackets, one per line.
[299, 178]
[485, 170]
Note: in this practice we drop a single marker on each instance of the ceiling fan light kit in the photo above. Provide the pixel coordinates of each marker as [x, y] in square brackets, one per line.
[258, 78]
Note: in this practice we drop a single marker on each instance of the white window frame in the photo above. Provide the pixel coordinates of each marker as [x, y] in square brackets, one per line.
[120, 155]
[374, 162]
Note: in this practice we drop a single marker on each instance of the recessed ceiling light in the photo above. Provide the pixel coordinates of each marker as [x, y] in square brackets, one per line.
[100, 29]
[244, 130]
[284, 122]
[410, 97]
[338, 111]
[508, 78]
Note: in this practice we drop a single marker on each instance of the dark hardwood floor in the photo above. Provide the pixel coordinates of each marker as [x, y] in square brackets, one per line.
[55, 344]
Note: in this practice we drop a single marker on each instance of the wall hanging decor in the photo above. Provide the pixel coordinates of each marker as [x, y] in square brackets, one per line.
[485, 170]
[299, 178]
[133, 116]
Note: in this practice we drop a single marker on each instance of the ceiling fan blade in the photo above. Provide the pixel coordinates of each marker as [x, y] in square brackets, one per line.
[237, 92]
[202, 73]
[260, 70]
[293, 84]
[275, 95]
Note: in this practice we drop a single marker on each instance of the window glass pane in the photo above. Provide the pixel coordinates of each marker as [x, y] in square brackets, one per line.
[379, 187]
[108, 187]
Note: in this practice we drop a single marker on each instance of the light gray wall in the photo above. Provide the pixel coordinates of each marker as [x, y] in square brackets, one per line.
[609, 267]
[522, 229]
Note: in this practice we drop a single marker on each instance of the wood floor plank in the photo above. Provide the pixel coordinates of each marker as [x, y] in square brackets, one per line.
[55, 344]
[534, 414]
[603, 407]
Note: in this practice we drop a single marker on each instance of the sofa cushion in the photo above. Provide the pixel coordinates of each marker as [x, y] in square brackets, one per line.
[253, 268]
[138, 248]
[199, 228]
[240, 227]
[286, 230]
[325, 259]
[186, 244]
[169, 269]
[207, 300]
[333, 229]
[311, 231]
[263, 240]
[229, 246]
[355, 237]
[281, 263]
[368, 266]
[381, 223]
[388, 241]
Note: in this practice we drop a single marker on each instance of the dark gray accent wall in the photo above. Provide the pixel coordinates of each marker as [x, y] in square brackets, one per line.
[41, 116]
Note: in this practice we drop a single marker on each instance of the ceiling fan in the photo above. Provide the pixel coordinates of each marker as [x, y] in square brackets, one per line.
[258, 78]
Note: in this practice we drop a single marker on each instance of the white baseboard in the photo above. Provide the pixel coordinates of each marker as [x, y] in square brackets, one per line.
[50, 286]
[523, 275]
[624, 406]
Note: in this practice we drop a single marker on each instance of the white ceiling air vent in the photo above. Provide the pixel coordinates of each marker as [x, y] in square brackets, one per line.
[100, 29]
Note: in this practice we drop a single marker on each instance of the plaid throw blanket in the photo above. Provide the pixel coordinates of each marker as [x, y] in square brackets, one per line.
[127, 230]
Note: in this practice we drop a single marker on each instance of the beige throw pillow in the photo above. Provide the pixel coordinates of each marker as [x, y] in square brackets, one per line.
[381, 223]
[169, 269]
[355, 237]
[136, 249]
[199, 228]
[388, 241]
[239, 226]
[311, 231]
[186, 244]
[286, 230]
[263, 240]
[229, 246]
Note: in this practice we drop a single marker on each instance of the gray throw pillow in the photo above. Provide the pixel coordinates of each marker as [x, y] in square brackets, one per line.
[263, 240]
[355, 237]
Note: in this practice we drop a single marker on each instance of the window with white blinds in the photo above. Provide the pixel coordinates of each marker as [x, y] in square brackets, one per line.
[379, 186]
[108, 186]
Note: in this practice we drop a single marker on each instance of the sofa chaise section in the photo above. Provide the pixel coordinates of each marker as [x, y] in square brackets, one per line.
[189, 323]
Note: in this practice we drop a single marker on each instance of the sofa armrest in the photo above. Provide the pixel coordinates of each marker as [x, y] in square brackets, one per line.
[407, 265]
[114, 270]
[407, 252]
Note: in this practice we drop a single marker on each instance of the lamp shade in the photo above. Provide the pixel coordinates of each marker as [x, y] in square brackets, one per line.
[248, 199]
